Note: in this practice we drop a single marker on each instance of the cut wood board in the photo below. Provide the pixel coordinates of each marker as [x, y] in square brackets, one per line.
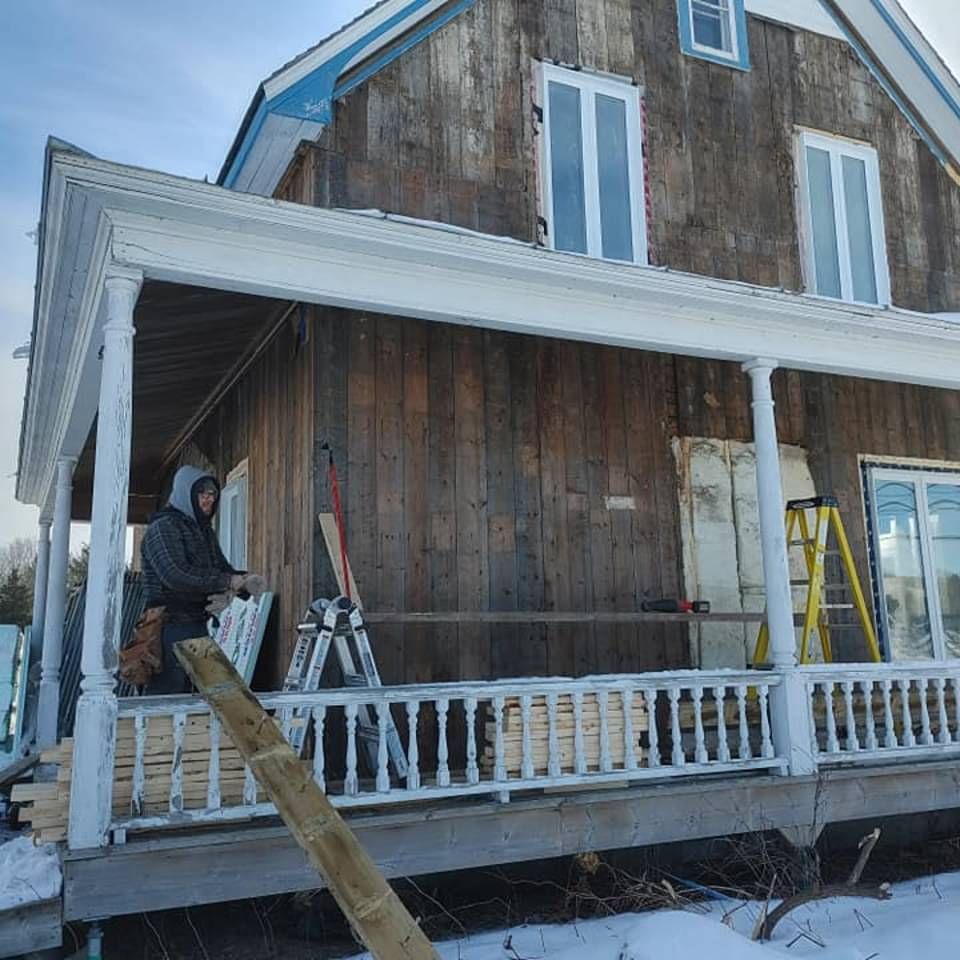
[331, 537]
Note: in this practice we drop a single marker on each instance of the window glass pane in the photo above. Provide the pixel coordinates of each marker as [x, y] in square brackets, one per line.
[566, 169]
[901, 571]
[616, 223]
[943, 500]
[711, 24]
[824, 223]
[859, 230]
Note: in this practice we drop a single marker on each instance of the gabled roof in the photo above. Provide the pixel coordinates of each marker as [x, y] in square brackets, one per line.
[909, 69]
[296, 102]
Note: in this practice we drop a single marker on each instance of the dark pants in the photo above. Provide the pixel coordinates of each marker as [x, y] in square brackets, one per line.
[172, 678]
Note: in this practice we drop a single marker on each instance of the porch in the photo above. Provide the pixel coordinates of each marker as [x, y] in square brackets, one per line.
[537, 769]
[499, 769]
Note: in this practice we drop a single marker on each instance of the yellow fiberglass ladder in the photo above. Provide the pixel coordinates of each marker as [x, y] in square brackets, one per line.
[827, 517]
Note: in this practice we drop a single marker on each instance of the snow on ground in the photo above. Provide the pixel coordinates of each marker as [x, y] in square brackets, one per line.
[920, 922]
[28, 872]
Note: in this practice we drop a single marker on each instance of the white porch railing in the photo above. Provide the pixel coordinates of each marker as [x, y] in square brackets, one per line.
[867, 712]
[461, 739]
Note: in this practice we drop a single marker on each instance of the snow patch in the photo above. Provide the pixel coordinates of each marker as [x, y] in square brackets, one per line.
[28, 873]
[921, 920]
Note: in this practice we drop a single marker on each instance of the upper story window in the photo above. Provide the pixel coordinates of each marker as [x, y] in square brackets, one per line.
[914, 516]
[842, 233]
[593, 165]
[715, 30]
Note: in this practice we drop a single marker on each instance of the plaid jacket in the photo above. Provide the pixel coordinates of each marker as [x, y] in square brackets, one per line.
[182, 565]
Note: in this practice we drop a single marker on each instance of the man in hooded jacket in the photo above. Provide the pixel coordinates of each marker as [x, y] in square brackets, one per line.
[183, 567]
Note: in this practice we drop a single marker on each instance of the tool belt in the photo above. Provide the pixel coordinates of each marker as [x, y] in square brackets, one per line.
[143, 656]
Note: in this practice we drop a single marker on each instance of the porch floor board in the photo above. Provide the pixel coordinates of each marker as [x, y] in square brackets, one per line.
[165, 871]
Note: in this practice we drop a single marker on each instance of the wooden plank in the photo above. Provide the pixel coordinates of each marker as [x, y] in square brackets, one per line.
[417, 641]
[473, 588]
[389, 570]
[31, 927]
[531, 654]
[370, 905]
[173, 871]
[557, 617]
[556, 561]
[501, 495]
[584, 648]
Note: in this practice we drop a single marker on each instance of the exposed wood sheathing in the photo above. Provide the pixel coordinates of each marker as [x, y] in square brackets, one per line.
[446, 133]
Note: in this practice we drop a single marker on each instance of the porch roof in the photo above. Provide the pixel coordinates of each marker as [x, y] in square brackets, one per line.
[101, 219]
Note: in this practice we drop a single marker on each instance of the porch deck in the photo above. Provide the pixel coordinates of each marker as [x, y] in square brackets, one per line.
[511, 770]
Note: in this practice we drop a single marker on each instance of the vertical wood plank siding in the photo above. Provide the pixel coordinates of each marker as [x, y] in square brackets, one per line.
[447, 133]
[474, 464]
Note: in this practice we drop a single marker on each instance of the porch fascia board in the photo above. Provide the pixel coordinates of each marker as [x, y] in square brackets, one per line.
[179, 230]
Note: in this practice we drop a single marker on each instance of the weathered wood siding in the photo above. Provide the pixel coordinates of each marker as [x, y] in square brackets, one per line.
[474, 468]
[267, 418]
[446, 133]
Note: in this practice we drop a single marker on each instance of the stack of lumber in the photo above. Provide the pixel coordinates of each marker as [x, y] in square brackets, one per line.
[540, 732]
[46, 805]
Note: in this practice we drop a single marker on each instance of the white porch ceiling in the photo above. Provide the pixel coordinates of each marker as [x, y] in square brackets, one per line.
[100, 217]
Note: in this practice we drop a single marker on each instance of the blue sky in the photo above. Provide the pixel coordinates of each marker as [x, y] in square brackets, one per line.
[159, 85]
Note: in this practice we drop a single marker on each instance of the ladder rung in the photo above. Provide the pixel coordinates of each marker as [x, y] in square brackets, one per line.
[837, 606]
[355, 680]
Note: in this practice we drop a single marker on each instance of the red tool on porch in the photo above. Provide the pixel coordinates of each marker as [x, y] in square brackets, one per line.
[670, 605]
[338, 517]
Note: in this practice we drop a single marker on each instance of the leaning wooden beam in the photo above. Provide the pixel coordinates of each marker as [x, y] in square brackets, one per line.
[367, 900]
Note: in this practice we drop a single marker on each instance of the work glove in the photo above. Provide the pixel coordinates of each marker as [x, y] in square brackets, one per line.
[218, 602]
[251, 583]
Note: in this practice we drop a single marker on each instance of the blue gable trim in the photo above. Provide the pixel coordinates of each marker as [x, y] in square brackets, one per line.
[887, 86]
[312, 97]
[917, 57]
[742, 60]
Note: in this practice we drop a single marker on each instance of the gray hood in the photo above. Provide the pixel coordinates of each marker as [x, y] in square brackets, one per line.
[183, 481]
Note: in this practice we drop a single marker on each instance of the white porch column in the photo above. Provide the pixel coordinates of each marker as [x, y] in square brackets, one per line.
[56, 607]
[40, 589]
[788, 701]
[96, 721]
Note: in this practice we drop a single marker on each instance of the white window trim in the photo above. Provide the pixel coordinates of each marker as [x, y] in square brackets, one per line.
[837, 147]
[919, 479]
[622, 88]
[238, 473]
[733, 54]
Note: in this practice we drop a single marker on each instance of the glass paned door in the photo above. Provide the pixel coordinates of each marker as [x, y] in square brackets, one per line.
[903, 584]
[943, 505]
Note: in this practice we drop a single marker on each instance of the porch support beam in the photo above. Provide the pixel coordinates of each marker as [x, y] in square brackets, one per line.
[96, 721]
[56, 607]
[788, 701]
[40, 589]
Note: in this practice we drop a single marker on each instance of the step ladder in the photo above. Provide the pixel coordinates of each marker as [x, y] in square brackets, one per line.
[338, 623]
[827, 514]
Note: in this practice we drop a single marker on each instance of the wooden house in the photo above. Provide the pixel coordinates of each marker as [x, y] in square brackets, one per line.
[577, 292]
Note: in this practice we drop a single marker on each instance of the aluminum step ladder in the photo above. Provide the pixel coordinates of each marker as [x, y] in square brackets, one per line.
[827, 517]
[337, 623]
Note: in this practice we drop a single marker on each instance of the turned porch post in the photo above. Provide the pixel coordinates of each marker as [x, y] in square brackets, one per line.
[40, 589]
[96, 721]
[56, 607]
[788, 701]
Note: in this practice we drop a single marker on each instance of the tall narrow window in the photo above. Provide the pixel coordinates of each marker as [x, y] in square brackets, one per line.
[915, 520]
[232, 517]
[715, 30]
[842, 217]
[593, 165]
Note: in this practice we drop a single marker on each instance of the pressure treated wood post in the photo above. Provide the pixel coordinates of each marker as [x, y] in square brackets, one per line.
[367, 900]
